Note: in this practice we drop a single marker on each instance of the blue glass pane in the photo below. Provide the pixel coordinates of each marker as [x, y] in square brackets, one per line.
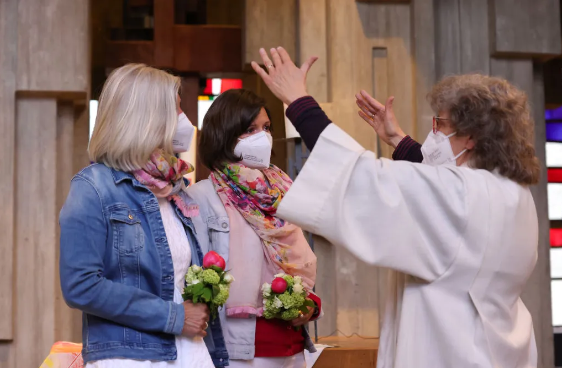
[554, 132]
[553, 114]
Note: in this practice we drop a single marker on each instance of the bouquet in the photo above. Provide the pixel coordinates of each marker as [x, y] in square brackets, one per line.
[285, 298]
[209, 284]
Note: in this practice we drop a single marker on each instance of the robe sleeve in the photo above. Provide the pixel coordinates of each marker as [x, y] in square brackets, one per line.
[396, 214]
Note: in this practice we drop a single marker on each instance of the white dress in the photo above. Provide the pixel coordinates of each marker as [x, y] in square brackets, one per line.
[461, 244]
[192, 352]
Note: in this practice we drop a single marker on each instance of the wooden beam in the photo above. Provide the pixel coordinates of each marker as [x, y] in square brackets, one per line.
[120, 53]
[206, 48]
[164, 33]
[525, 28]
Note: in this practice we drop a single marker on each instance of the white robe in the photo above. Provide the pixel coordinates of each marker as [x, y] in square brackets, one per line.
[462, 244]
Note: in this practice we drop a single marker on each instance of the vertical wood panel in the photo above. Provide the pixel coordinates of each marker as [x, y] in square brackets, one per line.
[474, 40]
[313, 42]
[447, 37]
[8, 52]
[269, 23]
[36, 181]
[526, 27]
[67, 321]
[81, 138]
[53, 45]
[424, 66]
[326, 285]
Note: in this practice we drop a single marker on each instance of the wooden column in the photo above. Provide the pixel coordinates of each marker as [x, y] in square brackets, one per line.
[44, 61]
[8, 52]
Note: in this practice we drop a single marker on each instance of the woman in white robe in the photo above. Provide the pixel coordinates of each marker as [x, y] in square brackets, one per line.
[459, 231]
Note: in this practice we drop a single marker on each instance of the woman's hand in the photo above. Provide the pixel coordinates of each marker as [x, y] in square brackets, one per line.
[381, 118]
[304, 318]
[283, 77]
[196, 319]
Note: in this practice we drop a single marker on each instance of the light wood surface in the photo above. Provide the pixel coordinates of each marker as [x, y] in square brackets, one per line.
[354, 352]
[8, 62]
[45, 68]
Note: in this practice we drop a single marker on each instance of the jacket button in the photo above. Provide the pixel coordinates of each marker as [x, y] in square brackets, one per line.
[224, 225]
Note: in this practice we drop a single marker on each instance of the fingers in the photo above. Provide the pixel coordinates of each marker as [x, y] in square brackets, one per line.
[367, 118]
[364, 109]
[276, 58]
[266, 61]
[371, 101]
[284, 55]
[389, 103]
[307, 64]
[262, 73]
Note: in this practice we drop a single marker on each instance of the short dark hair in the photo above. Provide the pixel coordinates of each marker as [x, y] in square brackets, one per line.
[230, 116]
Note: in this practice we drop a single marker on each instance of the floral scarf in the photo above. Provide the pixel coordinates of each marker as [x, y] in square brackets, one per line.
[256, 195]
[163, 175]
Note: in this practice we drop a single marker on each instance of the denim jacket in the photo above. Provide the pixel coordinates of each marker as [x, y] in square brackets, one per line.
[116, 267]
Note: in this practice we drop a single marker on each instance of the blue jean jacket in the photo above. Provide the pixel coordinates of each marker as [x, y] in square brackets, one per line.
[116, 267]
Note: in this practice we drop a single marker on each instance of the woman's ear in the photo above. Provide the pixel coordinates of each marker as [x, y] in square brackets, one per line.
[470, 143]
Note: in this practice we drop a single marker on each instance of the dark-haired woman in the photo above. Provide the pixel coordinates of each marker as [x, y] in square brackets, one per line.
[238, 205]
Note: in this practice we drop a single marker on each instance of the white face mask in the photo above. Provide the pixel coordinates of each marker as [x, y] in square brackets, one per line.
[184, 134]
[437, 150]
[255, 150]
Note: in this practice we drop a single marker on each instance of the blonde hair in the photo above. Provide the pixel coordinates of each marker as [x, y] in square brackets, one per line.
[137, 113]
[497, 116]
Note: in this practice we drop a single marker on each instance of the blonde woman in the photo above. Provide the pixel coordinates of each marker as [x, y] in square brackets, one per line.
[127, 237]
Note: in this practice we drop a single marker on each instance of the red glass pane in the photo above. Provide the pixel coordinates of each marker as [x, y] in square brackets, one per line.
[554, 175]
[556, 237]
[208, 87]
[227, 84]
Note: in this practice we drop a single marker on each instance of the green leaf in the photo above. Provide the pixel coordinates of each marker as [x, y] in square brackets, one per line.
[304, 309]
[309, 303]
[216, 269]
[197, 289]
[216, 290]
[207, 295]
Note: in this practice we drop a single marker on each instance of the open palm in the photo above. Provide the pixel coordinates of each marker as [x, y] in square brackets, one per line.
[380, 117]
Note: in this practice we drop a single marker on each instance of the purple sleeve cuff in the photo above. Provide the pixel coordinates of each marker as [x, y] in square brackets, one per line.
[408, 150]
[308, 118]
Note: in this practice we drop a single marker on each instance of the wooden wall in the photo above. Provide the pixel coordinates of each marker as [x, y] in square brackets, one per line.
[402, 48]
[44, 63]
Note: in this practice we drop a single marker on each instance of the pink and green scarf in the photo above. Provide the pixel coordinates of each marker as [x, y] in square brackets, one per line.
[256, 195]
[163, 175]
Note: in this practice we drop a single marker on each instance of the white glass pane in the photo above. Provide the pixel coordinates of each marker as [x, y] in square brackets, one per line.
[556, 262]
[202, 108]
[556, 289]
[216, 86]
[553, 154]
[93, 114]
[554, 201]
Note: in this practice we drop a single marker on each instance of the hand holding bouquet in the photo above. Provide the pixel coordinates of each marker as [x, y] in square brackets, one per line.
[209, 284]
[285, 298]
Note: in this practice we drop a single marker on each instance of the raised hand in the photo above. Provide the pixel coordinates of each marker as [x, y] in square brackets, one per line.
[380, 117]
[283, 77]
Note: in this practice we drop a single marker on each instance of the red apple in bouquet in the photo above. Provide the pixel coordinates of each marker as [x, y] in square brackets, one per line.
[213, 259]
[279, 285]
